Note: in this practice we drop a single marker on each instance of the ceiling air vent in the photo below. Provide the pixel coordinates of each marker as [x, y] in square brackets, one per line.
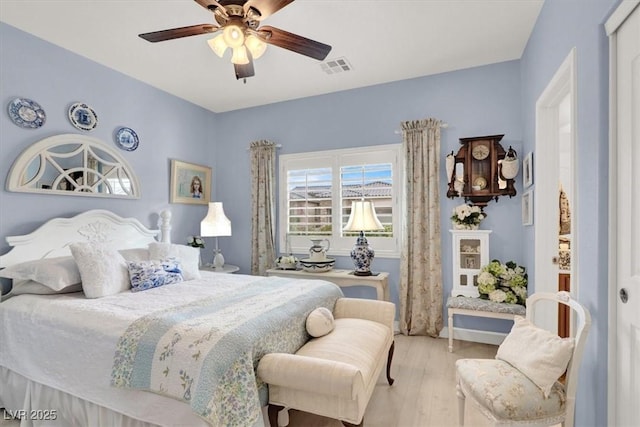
[337, 65]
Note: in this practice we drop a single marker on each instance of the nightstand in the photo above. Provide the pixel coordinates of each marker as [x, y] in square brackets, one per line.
[227, 268]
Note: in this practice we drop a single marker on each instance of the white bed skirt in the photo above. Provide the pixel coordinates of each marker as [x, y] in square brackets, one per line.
[20, 394]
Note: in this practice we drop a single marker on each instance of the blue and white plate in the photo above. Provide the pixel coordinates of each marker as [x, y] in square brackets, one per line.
[26, 113]
[127, 139]
[83, 117]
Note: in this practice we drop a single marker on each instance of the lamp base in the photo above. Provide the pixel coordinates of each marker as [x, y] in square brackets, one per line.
[363, 273]
[218, 261]
[362, 255]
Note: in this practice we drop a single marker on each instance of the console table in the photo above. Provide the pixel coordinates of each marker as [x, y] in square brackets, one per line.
[342, 278]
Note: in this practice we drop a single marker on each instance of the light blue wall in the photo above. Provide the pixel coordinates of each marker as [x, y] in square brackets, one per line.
[474, 102]
[55, 78]
[561, 26]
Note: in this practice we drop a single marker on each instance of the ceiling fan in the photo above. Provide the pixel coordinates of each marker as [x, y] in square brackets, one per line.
[239, 22]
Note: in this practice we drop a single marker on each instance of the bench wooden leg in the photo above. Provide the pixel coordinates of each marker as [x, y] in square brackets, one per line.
[273, 414]
[389, 358]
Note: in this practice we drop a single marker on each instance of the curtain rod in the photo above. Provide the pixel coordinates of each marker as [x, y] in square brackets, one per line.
[443, 125]
[277, 146]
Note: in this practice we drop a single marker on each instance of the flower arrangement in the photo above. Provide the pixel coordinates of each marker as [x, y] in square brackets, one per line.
[195, 241]
[466, 216]
[503, 282]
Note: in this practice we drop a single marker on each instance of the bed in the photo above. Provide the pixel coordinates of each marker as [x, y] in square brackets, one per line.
[175, 353]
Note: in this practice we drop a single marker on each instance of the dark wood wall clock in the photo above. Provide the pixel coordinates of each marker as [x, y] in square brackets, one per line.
[478, 171]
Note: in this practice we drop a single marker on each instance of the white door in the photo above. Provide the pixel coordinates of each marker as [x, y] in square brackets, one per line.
[624, 407]
[555, 141]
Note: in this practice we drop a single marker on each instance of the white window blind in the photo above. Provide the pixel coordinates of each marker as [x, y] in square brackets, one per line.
[316, 190]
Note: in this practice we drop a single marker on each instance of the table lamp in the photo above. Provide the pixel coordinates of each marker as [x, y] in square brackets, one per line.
[363, 218]
[216, 224]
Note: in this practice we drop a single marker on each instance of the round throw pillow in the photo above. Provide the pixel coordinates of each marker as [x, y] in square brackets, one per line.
[320, 322]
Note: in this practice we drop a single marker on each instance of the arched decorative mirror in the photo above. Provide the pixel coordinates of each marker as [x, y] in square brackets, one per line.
[75, 165]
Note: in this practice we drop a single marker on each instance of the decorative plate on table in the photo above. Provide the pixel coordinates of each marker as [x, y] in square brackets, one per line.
[127, 139]
[83, 117]
[26, 113]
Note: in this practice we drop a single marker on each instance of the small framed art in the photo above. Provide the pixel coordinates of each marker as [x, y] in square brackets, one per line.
[527, 208]
[527, 170]
[190, 183]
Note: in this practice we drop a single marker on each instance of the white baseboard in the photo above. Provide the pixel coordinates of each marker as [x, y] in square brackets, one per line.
[474, 335]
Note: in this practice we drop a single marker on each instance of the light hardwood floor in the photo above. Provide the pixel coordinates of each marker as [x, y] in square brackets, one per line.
[423, 394]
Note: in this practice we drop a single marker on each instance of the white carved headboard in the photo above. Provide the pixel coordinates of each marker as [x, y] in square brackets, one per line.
[53, 238]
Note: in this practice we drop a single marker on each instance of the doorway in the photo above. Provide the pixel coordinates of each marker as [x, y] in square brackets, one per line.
[555, 191]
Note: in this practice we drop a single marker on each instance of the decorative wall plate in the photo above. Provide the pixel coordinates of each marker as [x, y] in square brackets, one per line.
[83, 117]
[26, 113]
[127, 139]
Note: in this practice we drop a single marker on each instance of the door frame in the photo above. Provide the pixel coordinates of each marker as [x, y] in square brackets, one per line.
[616, 19]
[562, 84]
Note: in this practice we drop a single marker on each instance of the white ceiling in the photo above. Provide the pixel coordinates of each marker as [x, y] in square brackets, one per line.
[383, 40]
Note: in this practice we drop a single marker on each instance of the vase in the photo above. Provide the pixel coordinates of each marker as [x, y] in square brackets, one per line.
[458, 226]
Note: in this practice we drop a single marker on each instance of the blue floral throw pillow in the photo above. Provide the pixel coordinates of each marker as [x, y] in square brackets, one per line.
[152, 274]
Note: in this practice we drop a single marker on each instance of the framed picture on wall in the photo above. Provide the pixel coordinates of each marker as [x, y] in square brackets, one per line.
[190, 183]
[527, 208]
[527, 170]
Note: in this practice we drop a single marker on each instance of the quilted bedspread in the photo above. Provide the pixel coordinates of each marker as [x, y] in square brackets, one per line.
[205, 352]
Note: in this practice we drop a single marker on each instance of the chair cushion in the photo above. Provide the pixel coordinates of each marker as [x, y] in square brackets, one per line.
[507, 393]
[547, 354]
[357, 342]
[479, 304]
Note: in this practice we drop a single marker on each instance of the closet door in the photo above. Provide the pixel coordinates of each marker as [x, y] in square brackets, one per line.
[624, 264]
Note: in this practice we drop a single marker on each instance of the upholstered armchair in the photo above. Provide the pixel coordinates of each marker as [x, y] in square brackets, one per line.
[523, 384]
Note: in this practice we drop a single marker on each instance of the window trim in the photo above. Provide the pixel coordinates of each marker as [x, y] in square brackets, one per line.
[384, 247]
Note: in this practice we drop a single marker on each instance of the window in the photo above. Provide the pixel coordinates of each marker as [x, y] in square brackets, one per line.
[316, 191]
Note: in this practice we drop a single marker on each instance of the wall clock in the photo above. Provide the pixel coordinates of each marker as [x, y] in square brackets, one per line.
[477, 171]
[480, 151]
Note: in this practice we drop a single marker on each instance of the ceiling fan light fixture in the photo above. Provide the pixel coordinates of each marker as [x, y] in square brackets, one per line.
[233, 36]
[218, 45]
[256, 46]
[240, 56]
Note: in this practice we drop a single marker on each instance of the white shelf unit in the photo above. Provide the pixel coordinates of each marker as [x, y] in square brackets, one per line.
[470, 253]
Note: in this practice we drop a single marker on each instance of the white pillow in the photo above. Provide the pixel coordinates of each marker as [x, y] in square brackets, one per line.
[135, 254]
[188, 257]
[102, 268]
[55, 273]
[539, 354]
[21, 287]
[320, 322]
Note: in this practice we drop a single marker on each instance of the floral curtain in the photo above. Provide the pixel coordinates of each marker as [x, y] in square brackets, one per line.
[420, 263]
[263, 178]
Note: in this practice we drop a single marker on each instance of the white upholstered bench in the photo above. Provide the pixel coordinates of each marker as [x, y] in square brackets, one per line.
[334, 375]
[478, 307]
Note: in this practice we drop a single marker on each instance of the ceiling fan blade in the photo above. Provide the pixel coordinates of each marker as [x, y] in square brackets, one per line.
[295, 43]
[176, 33]
[265, 8]
[244, 71]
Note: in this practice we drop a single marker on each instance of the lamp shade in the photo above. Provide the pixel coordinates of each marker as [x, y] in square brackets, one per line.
[363, 217]
[216, 222]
